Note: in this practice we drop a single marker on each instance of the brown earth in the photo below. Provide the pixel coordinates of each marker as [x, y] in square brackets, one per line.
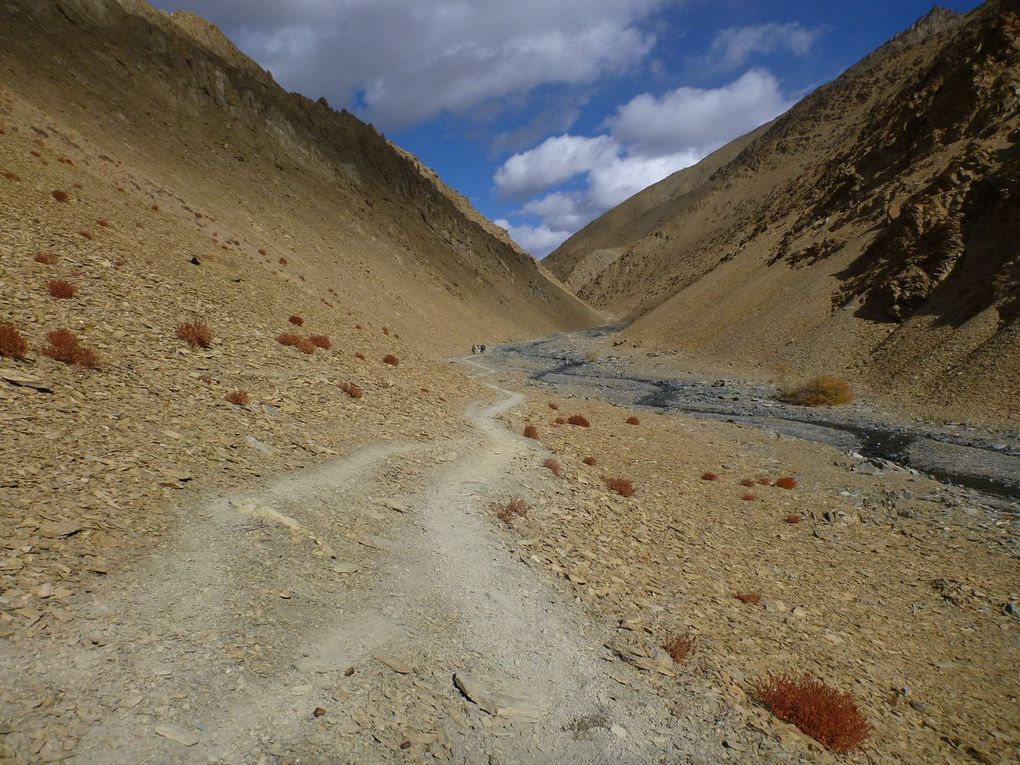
[869, 232]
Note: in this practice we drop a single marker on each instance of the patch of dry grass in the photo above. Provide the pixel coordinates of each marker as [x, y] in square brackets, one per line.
[823, 390]
[828, 715]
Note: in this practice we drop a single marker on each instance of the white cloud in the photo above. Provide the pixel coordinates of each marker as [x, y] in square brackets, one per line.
[687, 119]
[407, 60]
[733, 47]
[650, 138]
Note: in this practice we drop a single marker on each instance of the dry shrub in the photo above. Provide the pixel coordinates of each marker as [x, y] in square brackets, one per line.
[296, 320]
[553, 466]
[748, 482]
[621, 486]
[831, 717]
[103, 222]
[708, 475]
[792, 518]
[352, 390]
[282, 262]
[515, 507]
[753, 598]
[321, 341]
[305, 345]
[748, 496]
[86, 233]
[63, 345]
[680, 647]
[385, 330]
[554, 406]
[60, 289]
[633, 421]
[359, 355]
[288, 339]
[764, 480]
[560, 421]
[824, 390]
[155, 208]
[530, 431]
[195, 333]
[786, 482]
[60, 196]
[589, 460]
[12, 344]
[238, 397]
[580, 420]
[11, 176]
[390, 359]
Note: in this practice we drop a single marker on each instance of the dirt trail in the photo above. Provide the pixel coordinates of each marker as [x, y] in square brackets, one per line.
[281, 600]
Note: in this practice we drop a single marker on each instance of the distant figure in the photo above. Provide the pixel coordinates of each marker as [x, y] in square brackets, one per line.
[476, 349]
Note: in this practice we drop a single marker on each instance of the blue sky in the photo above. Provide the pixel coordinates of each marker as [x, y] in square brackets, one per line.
[546, 113]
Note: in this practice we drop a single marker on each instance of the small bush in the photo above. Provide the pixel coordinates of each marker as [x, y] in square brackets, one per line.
[238, 397]
[60, 196]
[748, 482]
[296, 320]
[708, 475]
[786, 482]
[748, 496]
[321, 341]
[554, 406]
[824, 390]
[60, 289]
[621, 486]
[12, 344]
[390, 359]
[752, 598]
[11, 176]
[831, 717]
[514, 508]
[589, 461]
[530, 431]
[63, 345]
[764, 480]
[352, 390]
[195, 333]
[86, 233]
[359, 355]
[305, 345]
[385, 330]
[103, 222]
[580, 420]
[792, 518]
[633, 421]
[553, 466]
[47, 258]
[680, 647]
[282, 262]
[560, 421]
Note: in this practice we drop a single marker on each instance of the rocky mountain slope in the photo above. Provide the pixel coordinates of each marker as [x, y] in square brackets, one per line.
[870, 231]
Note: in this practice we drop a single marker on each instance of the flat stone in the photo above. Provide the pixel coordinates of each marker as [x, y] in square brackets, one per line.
[499, 697]
[176, 733]
[22, 380]
[395, 664]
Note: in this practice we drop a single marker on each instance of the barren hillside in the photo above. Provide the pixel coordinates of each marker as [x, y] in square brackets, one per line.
[870, 231]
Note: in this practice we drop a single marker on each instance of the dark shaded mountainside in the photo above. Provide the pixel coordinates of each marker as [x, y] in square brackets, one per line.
[208, 130]
[872, 230]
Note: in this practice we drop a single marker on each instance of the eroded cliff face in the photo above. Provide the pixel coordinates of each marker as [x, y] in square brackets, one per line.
[879, 213]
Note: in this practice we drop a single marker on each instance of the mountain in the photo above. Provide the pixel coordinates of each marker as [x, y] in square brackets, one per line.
[870, 231]
[217, 144]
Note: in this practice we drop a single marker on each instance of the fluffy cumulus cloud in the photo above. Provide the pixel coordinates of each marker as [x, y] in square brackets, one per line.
[647, 139]
[733, 47]
[404, 61]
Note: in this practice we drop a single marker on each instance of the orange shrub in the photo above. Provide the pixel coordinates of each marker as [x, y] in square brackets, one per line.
[786, 482]
[792, 518]
[359, 355]
[390, 359]
[305, 345]
[589, 460]
[60, 289]
[103, 222]
[633, 421]
[195, 333]
[748, 496]
[352, 390]
[297, 320]
[708, 475]
[753, 598]
[530, 431]
[283, 262]
[60, 196]
[824, 390]
[85, 233]
[385, 330]
[553, 466]
[831, 717]
[63, 345]
[621, 486]
[514, 508]
[680, 647]
[288, 339]
[10, 175]
[580, 420]
[321, 341]
[560, 421]
[748, 482]
[12, 344]
[764, 480]
[47, 258]
[238, 397]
